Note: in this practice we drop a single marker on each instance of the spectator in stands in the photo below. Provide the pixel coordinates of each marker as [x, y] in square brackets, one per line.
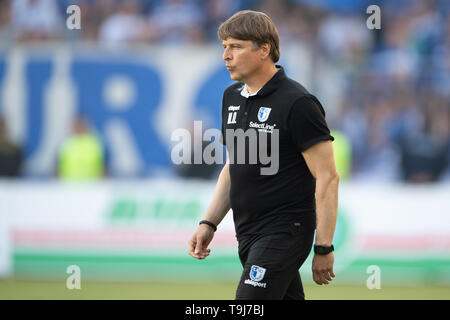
[94, 14]
[177, 22]
[425, 152]
[36, 20]
[342, 154]
[342, 39]
[81, 156]
[10, 154]
[360, 72]
[125, 26]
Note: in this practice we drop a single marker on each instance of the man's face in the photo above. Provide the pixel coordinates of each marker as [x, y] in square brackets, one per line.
[242, 58]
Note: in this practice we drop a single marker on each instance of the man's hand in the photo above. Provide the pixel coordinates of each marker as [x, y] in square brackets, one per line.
[198, 244]
[322, 268]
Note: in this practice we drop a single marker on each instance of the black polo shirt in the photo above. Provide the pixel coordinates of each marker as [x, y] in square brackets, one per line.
[261, 203]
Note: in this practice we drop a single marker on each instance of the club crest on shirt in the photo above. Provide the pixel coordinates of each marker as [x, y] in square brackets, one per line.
[263, 113]
[257, 273]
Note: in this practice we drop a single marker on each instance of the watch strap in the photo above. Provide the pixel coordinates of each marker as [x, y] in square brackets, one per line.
[209, 223]
[323, 249]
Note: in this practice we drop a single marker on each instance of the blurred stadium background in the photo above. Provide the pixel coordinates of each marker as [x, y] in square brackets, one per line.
[86, 118]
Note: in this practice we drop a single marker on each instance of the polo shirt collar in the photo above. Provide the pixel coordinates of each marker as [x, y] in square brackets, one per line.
[246, 94]
[269, 87]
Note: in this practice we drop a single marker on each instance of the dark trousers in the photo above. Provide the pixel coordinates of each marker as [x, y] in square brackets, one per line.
[271, 263]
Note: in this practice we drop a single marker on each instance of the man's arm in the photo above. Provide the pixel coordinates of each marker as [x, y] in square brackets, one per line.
[320, 161]
[216, 211]
[220, 203]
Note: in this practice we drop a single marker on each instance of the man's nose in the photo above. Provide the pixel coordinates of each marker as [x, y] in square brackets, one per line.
[226, 55]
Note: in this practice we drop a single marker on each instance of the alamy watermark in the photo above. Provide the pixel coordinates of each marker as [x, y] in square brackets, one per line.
[73, 21]
[74, 280]
[374, 280]
[374, 20]
[245, 147]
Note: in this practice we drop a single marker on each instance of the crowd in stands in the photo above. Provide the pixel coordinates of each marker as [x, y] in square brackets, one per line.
[393, 98]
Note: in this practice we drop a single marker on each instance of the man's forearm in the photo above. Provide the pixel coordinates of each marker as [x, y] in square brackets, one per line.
[326, 209]
[220, 202]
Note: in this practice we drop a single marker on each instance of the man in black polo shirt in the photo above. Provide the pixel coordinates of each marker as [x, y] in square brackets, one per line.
[280, 200]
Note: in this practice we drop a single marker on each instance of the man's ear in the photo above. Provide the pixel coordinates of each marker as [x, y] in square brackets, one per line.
[265, 51]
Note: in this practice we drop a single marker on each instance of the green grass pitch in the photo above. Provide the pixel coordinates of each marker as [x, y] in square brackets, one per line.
[21, 289]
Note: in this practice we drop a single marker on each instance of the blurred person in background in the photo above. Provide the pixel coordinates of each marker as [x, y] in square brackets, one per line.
[425, 152]
[93, 16]
[380, 159]
[342, 154]
[81, 156]
[36, 20]
[126, 26]
[177, 22]
[342, 40]
[10, 154]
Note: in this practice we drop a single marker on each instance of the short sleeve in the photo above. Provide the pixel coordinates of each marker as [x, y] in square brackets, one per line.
[306, 123]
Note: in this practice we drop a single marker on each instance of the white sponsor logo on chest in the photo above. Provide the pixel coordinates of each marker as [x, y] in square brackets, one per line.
[232, 114]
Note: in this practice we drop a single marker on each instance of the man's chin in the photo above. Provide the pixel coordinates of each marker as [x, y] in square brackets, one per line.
[234, 76]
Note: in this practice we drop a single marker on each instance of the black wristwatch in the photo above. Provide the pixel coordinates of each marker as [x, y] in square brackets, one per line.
[323, 249]
[212, 225]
